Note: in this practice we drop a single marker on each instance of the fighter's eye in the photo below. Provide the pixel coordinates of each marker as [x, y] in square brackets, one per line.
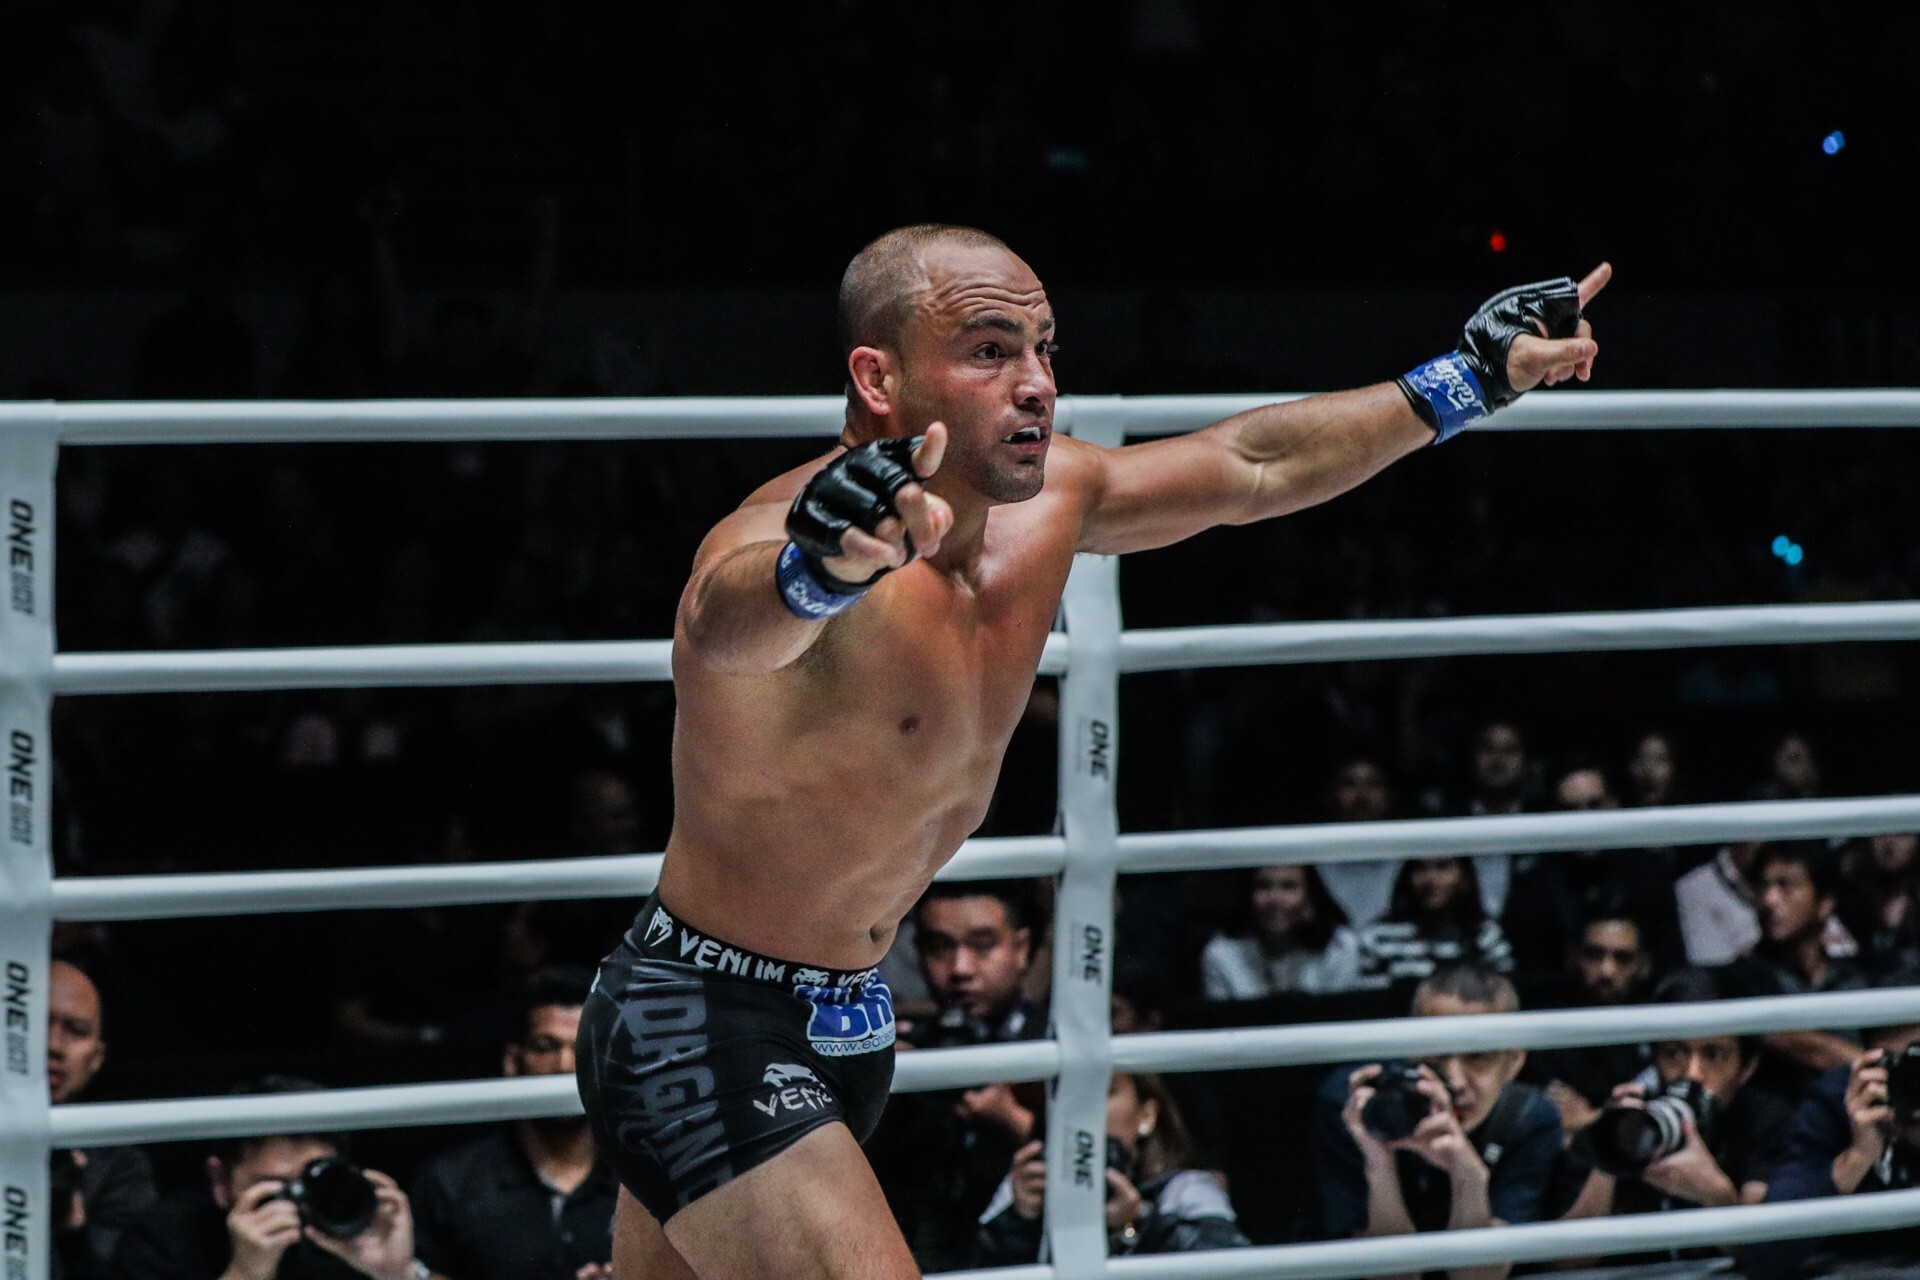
[989, 351]
[1049, 349]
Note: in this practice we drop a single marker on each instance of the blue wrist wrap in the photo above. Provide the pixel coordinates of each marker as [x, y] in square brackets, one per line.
[1448, 384]
[806, 596]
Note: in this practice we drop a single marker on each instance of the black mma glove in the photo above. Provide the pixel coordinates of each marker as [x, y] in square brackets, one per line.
[856, 490]
[1456, 390]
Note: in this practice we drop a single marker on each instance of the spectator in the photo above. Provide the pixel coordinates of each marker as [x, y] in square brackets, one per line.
[97, 1191]
[940, 1156]
[1880, 899]
[1799, 951]
[1719, 907]
[1607, 966]
[1360, 793]
[1298, 941]
[1482, 1156]
[1793, 771]
[241, 1226]
[531, 1201]
[1652, 778]
[1553, 891]
[1728, 1160]
[1846, 1139]
[1156, 1202]
[1501, 782]
[1436, 918]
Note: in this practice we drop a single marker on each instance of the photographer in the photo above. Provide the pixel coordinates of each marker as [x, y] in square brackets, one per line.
[1155, 1202]
[1450, 1142]
[1714, 1138]
[1857, 1130]
[939, 1156]
[270, 1212]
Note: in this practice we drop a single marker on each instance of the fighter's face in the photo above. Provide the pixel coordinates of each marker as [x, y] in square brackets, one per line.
[977, 354]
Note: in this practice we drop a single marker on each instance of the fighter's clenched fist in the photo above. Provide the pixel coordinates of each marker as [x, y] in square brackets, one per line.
[860, 517]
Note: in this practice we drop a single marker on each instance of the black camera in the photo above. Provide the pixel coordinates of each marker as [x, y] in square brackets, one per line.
[333, 1196]
[1397, 1106]
[1903, 1083]
[1120, 1160]
[1625, 1140]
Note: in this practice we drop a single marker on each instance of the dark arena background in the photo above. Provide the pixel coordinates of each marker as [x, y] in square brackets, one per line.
[228, 200]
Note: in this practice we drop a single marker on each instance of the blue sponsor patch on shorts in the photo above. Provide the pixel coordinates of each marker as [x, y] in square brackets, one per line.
[845, 1021]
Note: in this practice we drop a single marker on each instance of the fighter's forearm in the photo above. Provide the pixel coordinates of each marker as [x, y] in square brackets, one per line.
[1307, 451]
[734, 620]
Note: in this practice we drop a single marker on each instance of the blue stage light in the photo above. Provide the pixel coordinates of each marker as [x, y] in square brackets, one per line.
[1832, 143]
[1795, 554]
[1781, 545]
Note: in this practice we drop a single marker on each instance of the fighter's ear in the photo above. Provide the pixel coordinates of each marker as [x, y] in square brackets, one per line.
[874, 377]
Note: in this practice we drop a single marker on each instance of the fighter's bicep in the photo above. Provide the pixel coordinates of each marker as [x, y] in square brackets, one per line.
[1161, 491]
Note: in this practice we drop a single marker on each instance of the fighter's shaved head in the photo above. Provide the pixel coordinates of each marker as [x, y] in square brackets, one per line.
[876, 293]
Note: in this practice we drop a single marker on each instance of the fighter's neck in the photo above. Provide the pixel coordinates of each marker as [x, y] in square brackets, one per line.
[960, 551]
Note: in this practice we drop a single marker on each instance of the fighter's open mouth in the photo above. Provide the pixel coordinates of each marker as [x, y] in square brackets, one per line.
[1025, 435]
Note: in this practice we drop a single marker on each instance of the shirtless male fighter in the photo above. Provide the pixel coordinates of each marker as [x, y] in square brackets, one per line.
[852, 652]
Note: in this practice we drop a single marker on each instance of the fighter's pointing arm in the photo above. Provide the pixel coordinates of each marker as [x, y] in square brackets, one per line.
[1280, 458]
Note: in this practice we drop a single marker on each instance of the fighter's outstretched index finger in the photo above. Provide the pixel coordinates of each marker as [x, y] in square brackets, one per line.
[933, 447]
[1596, 281]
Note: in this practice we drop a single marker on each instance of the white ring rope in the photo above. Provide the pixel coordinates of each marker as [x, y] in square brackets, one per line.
[1238, 1049]
[387, 666]
[1139, 651]
[1532, 1242]
[253, 422]
[1259, 644]
[1146, 649]
[178, 895]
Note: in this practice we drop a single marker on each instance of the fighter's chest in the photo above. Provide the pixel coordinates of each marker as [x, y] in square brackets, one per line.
[943, 662]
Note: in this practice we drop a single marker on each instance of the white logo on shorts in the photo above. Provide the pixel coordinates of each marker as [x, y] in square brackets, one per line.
[782, 1074]
[659, 927]
[811, 977]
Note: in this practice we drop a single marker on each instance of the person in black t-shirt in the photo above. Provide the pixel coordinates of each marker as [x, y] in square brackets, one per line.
[1608, 965]
[530, 1201]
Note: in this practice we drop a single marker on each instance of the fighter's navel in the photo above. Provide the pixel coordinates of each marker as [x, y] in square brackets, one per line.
[910, 724]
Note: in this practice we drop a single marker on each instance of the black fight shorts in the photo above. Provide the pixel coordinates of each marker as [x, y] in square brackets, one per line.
[699, 1060]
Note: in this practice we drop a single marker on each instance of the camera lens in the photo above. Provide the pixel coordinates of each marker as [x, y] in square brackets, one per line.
[1397, 1106]
[334, 1197]
[1625, 1140]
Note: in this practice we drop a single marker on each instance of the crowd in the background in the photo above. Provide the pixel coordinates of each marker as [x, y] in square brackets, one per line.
[1371, 1148]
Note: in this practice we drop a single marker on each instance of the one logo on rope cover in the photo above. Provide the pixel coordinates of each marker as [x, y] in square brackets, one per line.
[1093, 953]
[20, 556]
[16, 1236]
[1099, 752]
[20, 762]
[18, 1017]
[1084, 1148]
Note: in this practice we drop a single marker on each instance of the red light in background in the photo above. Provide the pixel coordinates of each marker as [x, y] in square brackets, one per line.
[1497, 242]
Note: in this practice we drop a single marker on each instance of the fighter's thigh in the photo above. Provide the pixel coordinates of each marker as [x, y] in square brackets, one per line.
[641, 1250]
[813, 1212]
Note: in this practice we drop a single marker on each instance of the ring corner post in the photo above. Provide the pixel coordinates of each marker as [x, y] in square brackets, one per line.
[1083, 909]
[28, 452]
